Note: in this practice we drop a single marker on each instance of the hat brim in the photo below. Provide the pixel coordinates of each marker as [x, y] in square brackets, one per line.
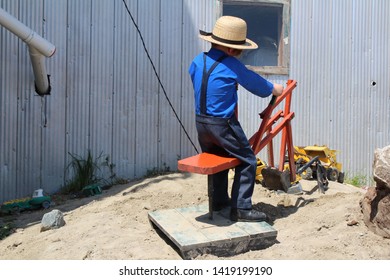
[248, 45]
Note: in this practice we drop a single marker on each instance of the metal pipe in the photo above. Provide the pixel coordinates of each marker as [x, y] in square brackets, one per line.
[38, 47]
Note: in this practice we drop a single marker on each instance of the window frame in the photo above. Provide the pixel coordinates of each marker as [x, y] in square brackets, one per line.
[284, 42]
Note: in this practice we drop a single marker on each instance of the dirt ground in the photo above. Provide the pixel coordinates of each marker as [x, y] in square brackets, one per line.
[115, 224]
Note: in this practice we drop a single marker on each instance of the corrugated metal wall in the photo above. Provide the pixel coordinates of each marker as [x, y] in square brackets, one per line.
[106, 98]
[340, 57]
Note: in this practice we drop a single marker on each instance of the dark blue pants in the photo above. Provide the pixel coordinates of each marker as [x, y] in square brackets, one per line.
[225, 137]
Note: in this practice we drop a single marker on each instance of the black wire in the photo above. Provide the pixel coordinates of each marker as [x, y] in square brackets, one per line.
[158, 77]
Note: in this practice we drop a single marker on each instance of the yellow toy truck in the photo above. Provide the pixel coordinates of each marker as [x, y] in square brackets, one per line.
[327, 156]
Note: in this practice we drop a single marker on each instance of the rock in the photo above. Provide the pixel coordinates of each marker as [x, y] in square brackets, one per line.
[53, 219]
[375, 207]
[381, 167]
[352, 223]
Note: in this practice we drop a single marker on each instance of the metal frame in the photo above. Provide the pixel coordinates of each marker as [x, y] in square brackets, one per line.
[263, 137]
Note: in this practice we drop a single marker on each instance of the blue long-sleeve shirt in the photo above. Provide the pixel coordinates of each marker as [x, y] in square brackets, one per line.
[222, 86]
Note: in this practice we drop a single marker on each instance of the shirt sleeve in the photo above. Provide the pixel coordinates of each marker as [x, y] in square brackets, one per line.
[250, 80]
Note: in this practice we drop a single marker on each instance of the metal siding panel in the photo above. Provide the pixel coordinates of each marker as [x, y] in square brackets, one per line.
[78, 76]
[147, 89]
[359, 96]
[29, 109]
[380, 74]
[125, 85]
[321, 72]
[8, 107]
[338, 100]
[53, 131]
[101, 79]
[301, 68]
[171, 73]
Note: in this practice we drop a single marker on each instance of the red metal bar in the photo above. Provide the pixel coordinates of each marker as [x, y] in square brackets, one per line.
[255, 139]
[274, 132]
[290, 152]
[270, 150]
[283, 145]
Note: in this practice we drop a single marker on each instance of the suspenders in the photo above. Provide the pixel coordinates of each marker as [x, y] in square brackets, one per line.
[205, 79]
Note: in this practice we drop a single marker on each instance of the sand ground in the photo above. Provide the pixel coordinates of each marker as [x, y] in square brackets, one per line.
[115, 224]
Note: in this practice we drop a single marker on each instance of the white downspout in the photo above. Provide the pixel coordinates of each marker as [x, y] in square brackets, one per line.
[38, 48]
[42, 83]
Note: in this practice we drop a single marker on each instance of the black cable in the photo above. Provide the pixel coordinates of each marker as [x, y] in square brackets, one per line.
[158, 77]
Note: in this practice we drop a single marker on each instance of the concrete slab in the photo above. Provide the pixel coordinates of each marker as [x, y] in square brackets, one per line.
[194, 234]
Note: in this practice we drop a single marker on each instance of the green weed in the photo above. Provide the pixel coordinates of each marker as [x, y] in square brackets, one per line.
[87, 171]
[358, 180]
[6, 229]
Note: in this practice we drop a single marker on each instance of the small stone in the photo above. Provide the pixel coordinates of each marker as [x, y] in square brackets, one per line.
[53, 219]
[352, 223]
[16, 244]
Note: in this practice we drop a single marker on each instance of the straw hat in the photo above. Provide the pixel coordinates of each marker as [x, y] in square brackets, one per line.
[229, 32]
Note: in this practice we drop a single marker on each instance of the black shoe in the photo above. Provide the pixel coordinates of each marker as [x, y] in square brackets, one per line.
[242, 215]
[218, 206]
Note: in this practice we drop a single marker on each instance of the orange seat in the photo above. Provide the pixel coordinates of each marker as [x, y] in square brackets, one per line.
[206, 163]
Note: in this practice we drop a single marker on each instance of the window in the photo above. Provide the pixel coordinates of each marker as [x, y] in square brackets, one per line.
[268, 25]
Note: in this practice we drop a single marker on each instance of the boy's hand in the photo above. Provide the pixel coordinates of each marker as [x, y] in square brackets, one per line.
[278, 90]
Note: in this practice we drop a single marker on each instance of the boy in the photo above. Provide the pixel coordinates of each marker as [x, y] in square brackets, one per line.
[215, 76]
